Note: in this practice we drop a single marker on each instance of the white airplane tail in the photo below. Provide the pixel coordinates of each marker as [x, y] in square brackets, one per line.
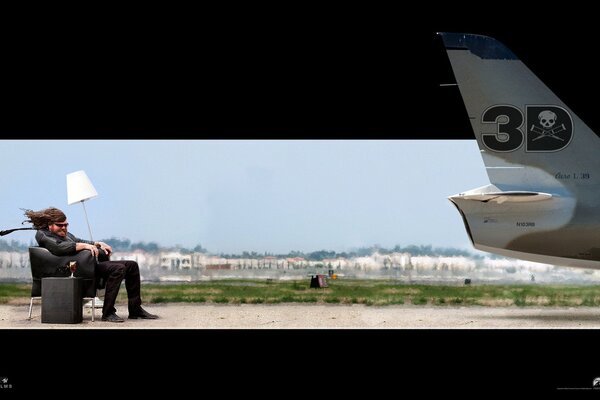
[527, 136]
[541, 159]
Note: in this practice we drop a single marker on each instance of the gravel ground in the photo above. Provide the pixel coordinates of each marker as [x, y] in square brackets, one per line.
[301, 316]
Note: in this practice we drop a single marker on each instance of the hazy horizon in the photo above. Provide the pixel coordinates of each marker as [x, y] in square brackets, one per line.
[232, 196]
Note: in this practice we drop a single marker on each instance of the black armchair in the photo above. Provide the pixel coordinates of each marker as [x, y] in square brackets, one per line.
[45, 264]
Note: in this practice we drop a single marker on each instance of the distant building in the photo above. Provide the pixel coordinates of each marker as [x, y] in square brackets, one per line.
[336, 263]
[174, 261]
[144, 259]
[218, 266]
[295, 262]
[439, 263]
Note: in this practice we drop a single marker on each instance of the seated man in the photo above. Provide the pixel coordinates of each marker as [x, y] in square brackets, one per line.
[51, 224]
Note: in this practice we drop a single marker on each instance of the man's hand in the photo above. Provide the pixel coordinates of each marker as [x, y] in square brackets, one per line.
[105, 247]
[86, 246]
[94, 250]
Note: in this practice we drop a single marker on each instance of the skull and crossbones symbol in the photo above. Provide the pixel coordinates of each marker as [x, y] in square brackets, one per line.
[547, 120]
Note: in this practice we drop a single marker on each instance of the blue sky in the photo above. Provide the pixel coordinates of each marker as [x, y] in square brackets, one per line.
[248, 195]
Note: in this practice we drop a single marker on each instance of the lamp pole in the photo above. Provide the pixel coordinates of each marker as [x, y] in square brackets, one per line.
[86, 220]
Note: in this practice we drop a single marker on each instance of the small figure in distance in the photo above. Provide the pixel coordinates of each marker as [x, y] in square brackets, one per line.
[51, 224]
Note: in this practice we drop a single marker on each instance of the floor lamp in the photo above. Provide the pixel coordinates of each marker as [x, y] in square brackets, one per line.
[79, 190]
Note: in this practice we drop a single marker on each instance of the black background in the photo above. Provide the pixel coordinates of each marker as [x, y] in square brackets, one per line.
[303, 73]
[332, 74]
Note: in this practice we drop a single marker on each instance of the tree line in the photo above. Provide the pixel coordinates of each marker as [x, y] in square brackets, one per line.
[320, 255]
[125, 245]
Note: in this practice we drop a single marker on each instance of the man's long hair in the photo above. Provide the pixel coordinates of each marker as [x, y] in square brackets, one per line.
[41, 219]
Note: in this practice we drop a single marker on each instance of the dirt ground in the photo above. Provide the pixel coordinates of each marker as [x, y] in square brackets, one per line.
[301, 316]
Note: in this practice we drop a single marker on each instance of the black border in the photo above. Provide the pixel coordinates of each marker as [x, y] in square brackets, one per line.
[339, 74]
[354, 77]
[322, 360]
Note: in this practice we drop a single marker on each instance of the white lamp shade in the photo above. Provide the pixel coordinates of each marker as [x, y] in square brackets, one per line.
[79, 187]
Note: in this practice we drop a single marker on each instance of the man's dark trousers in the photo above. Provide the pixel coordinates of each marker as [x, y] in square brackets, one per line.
[114, 272]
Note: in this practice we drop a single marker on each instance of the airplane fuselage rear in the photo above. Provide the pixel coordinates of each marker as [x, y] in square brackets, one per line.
[540, 231]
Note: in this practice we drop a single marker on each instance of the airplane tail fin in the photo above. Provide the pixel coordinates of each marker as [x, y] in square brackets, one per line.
[529, 139]
[541, 159]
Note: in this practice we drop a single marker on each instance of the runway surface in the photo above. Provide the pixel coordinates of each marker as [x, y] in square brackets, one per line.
[300, 316]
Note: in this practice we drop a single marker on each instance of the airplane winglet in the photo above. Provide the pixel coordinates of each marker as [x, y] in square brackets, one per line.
[484, 47]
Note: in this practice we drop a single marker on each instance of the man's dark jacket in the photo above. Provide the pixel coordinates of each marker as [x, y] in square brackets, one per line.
[58, 245]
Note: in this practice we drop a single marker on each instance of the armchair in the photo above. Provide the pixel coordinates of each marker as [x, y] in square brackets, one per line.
[45, 264]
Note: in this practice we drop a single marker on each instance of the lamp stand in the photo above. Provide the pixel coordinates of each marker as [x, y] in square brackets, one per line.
[96, 302]
[86, 220]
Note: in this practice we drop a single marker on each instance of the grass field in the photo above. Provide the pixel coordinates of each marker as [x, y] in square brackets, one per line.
[369, 292]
